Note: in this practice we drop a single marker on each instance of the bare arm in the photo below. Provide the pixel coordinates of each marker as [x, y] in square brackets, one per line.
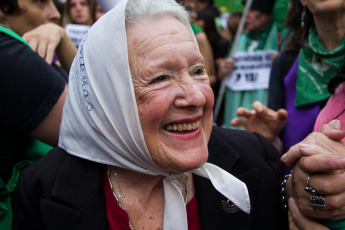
[48, 130]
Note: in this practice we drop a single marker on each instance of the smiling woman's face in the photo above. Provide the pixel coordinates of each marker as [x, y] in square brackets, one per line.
[172, 91]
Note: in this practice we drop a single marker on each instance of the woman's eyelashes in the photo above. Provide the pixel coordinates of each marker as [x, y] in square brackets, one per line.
[199, 70]
[158, 79]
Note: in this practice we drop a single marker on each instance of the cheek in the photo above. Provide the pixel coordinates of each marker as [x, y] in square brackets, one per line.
[209, 95]
[152, 106]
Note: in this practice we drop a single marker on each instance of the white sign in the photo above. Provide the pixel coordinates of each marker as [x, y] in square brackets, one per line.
[76, 32]
[251, 71]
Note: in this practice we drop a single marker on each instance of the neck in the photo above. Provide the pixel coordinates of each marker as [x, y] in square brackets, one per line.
[330, 30]
[142, 196]
[132, 182]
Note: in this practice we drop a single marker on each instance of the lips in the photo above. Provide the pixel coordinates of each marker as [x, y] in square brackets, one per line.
[182, 127]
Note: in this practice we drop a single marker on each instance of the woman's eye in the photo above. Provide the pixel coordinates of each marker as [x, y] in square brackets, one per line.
[199, 71]
[159, 79]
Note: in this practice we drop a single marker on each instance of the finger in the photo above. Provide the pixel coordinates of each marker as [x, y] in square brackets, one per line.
[292, 155]
[42, 48]
[300, 220]
[333, 130]
[50, 53]
[282, 114]
[322, 163]
[330, 185]
[238, 122]
[259, 107]
[292, 225]
[33, 43]
[243, 112]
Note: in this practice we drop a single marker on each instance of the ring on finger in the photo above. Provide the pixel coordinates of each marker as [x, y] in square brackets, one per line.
[318, 201]
[308, 188]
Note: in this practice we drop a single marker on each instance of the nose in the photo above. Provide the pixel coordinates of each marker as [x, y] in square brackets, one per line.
[190, 93]
[53, 15]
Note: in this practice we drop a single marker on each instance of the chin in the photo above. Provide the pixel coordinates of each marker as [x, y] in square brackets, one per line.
[190, 162]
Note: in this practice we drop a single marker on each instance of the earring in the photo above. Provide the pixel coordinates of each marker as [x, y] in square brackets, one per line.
[303, 16]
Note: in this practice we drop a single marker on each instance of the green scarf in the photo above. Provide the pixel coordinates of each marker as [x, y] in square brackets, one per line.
[263, 37]
[316, 66]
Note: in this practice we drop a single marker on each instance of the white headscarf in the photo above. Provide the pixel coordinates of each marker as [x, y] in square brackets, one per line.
[100, 119]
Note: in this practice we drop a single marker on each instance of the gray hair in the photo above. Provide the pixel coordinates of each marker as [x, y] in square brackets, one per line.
[139, 10]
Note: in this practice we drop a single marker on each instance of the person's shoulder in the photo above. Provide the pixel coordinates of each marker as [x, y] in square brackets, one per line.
[233, 135]
[251, 147]
[10, 46]
[49, 164]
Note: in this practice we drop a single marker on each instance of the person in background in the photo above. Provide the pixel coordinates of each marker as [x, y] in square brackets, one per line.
[136, 132]
[313, 55]
[232, 25]
[201, 37]
[32, 91]
[260, 34]
[206, 21]
[97, 11]
[79, 12]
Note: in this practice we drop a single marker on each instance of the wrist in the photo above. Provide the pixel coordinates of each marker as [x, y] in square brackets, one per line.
[284, 190]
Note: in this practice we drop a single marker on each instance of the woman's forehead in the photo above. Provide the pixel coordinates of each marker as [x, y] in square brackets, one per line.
[157, 29]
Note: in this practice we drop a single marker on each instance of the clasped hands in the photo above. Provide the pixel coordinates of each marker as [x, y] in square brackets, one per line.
[321, 156]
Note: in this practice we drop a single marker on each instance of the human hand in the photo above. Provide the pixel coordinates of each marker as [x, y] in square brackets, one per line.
[225, 67]
[330, 184]
[323, 159]
[297, 221]
[273, 55]
[330, 134]
[45, 39]
[261, 119]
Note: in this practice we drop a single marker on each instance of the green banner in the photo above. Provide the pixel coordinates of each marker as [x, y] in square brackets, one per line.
[229, 5]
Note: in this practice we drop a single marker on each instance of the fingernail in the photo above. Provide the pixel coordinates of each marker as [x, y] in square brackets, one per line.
[283, 157]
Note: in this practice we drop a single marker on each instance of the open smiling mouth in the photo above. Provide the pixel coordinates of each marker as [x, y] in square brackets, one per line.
[182, 127]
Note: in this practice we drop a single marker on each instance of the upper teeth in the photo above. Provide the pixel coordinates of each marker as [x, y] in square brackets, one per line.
[182, 126]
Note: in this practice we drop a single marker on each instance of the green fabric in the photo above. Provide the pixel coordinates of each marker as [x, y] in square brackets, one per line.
[36, 150]
[195, 28]
[316, 66]
[333, 224]
[5, 195]
[279, 12]
[264, 39]
[13, 34]
[267, 40]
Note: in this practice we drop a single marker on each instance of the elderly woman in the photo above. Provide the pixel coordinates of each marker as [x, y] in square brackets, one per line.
[135, 138]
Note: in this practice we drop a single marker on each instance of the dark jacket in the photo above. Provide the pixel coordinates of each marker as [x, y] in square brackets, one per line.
[62, 191]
